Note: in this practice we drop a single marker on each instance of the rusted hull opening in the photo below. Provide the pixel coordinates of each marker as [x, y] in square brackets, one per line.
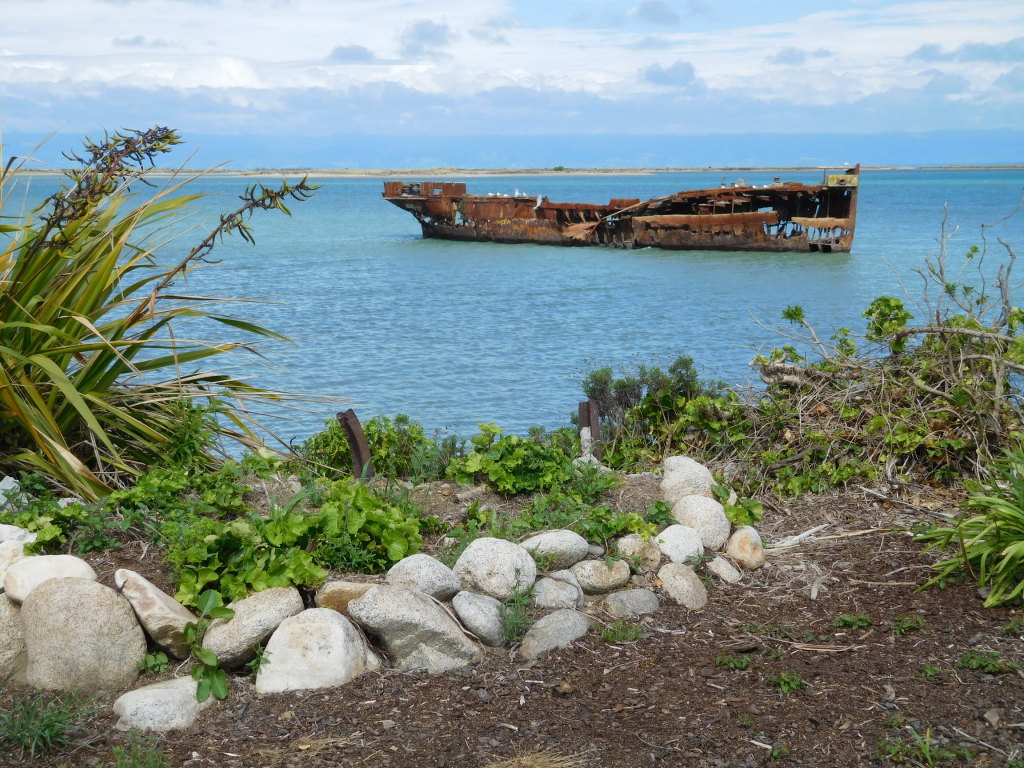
[782, 216]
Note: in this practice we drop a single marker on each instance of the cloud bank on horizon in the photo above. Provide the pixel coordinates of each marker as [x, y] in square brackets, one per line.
[319, 68]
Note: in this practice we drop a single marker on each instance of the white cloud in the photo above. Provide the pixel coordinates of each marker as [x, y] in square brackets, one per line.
[581, 63]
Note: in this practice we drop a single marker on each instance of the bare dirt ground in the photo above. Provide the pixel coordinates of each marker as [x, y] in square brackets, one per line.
[870, 695]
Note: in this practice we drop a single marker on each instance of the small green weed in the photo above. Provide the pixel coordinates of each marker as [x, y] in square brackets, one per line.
[259, 660]
[515, 616]
[622, 631]
[154, 664]
[778, 752]
[1015, 627]
[42, 722]
[896, 722]
[774, 653]
[139, 752]
[990, 662]
[903, 624]
[930, 670]
[747, 720]
[210, 677]
[767, 630]
[923, 751]
[787, 681]
[852, 621]
[729, 661]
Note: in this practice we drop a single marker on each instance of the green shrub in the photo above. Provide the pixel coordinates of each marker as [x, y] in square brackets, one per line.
[139, 752]
[87, 307]
[399, 448]
[515, 616]
[511, 464]
[354, 530]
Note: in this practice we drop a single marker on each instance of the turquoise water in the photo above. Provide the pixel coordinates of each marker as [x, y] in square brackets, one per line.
[458, 333]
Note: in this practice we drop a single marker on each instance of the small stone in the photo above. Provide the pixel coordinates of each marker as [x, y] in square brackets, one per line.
[164, 706]
[27, 573]
[496, 567]
[992, 717]
[706, 516]
[745, 548]
[427, 574]
[595, 550]
[552, 593]
[14, 533]
[683, 477]
[557, 549]
[163, 617]
[644, 551]
[336, 595]
[481, 615]
[724, 570]
[556, 630]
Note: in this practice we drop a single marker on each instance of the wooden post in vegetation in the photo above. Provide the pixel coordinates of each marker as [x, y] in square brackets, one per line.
[590, 418]
[362, 462]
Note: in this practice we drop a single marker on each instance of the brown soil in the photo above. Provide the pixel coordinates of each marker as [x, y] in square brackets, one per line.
[663, 700]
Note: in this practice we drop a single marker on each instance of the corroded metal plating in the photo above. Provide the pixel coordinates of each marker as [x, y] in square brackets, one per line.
[781, 216]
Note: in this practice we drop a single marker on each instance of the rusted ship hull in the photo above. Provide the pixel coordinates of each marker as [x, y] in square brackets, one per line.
[782, 216]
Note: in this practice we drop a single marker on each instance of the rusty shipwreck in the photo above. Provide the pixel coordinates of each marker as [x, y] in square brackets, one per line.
[781, 216]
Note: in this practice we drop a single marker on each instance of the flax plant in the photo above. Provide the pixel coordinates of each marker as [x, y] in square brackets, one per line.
[93, 379]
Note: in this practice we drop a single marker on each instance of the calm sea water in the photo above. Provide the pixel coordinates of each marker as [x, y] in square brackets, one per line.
[459, 333]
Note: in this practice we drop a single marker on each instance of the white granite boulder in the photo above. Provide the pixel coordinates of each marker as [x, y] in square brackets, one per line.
[27, 573]
[163, 617]
[680, 543]
[256, 617]
[318, 648]
[413, 629]
[706, 516]
[745, 548]
[12, 637]
[682, 585]
[165, 706]
[596, 577]
[557, 549]
[425, 573]
[10, 551]
[481, 615]
[556, 630]
[495, 567]
[336, 595]
[644, 551]
[630, 603]
[684, 476]
[15, 533]
[80, 635]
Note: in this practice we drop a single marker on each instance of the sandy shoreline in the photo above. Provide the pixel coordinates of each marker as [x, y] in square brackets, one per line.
[450, 172]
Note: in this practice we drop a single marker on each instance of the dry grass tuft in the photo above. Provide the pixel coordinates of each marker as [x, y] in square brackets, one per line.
[544, 758]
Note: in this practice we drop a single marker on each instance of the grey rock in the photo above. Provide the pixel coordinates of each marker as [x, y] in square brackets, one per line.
[481, 615]
[427, 574]
[630, 603]
[558, 549]
[165, 706]
[595, 550]
[680, 543]
[706, 516]
[10, 493]
[596, 577]
[318, 648]
[414, 630]
[27, 573]
[495, 567]
[556, 630]
[256, 617]
[551, 592]
[80, 635]
[12, 637]
[163, 617]
[682, 585]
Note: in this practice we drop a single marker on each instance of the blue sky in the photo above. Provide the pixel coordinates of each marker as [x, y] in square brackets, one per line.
[320, 79]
